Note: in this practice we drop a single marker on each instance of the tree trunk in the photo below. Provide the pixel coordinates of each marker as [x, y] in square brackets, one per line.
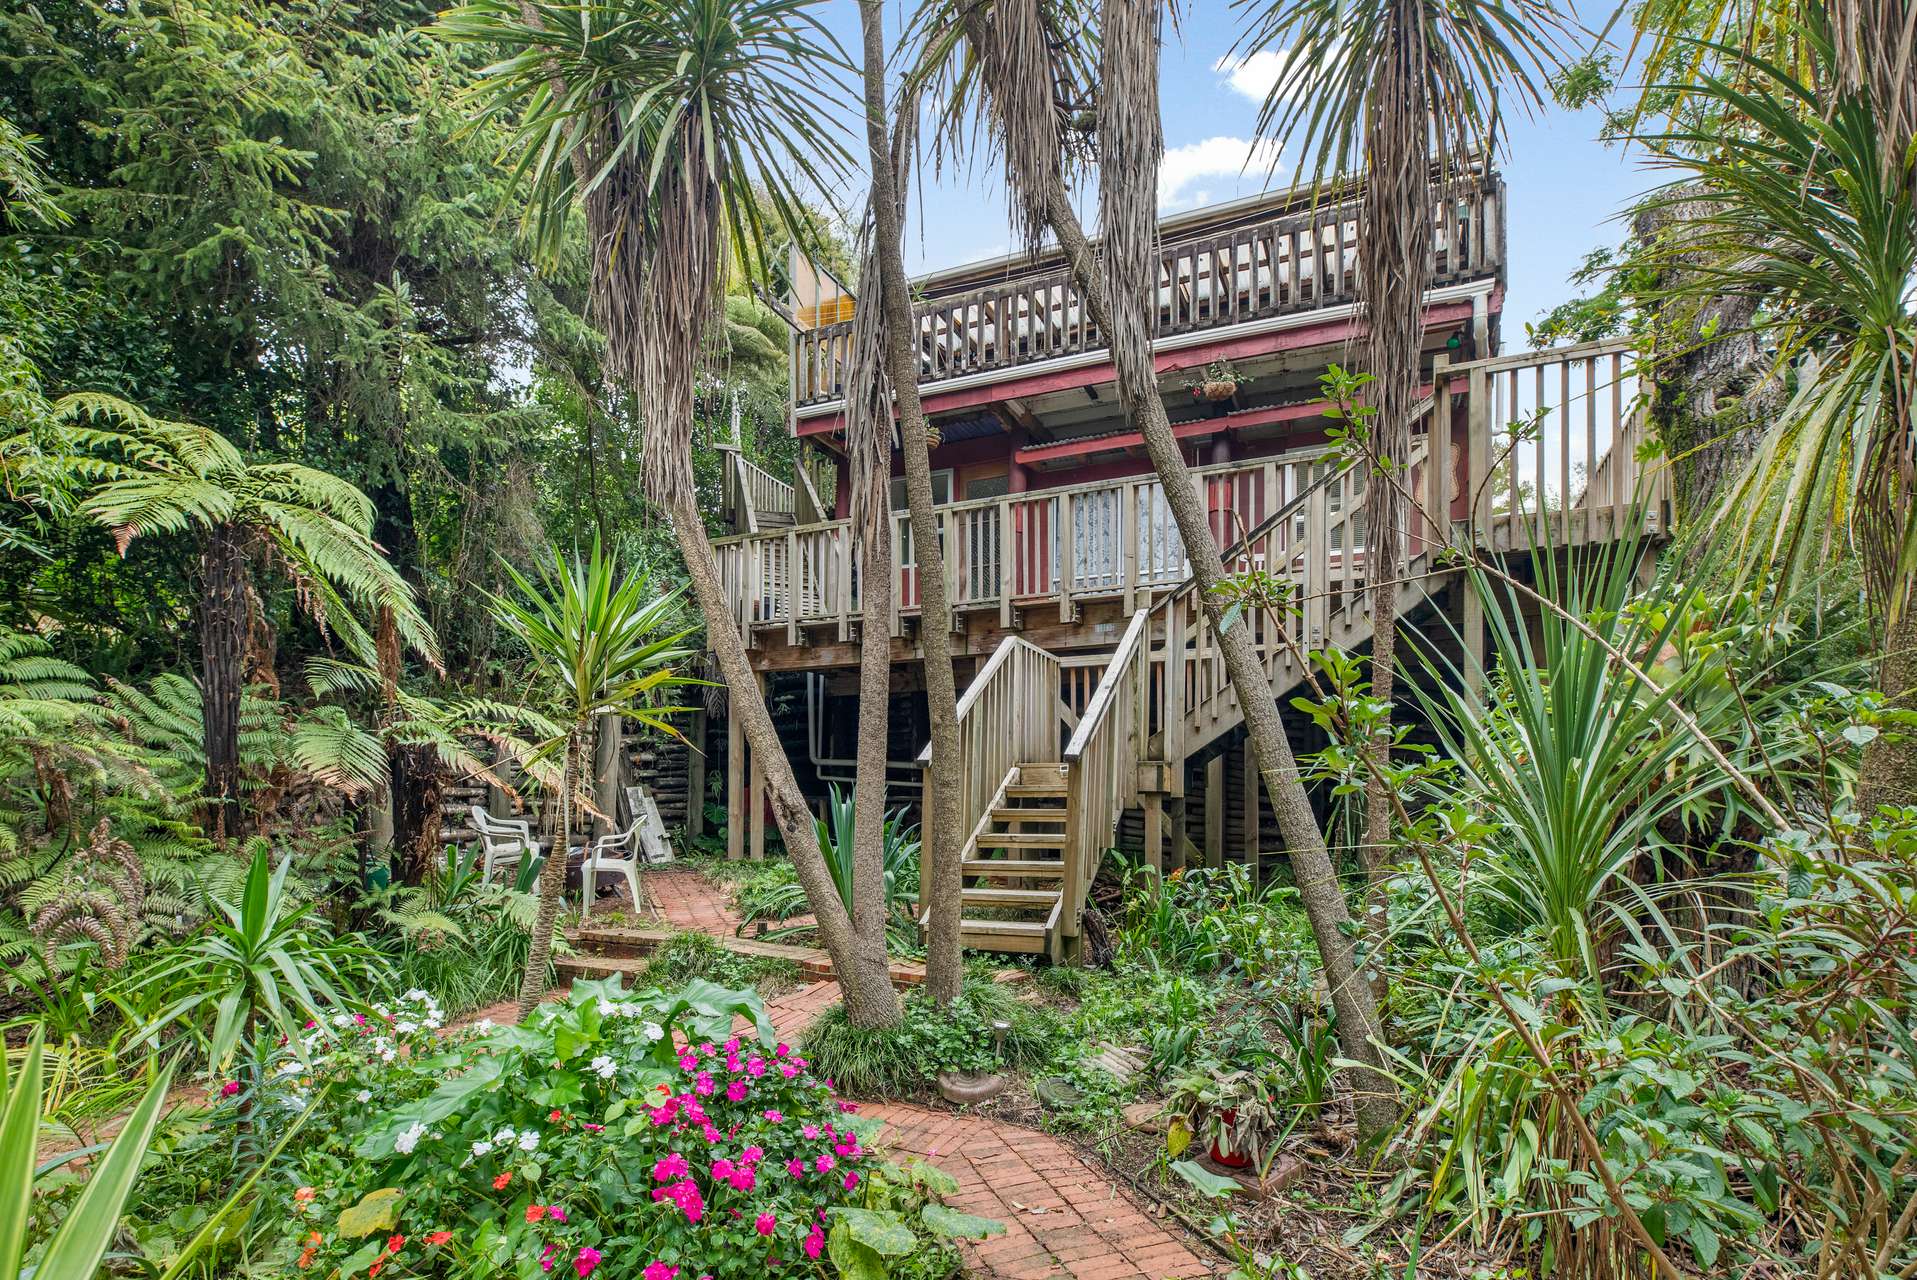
[1359, 1036]
[867, 989]
[418, 784]
[1888, 773]
[872, 538]
[940, 900]
[552, 884]
[1394, 225]
[223, 606]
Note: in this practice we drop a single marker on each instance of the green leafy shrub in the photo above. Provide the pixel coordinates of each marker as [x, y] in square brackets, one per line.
[697, 955]
[886, 1061]
[459, 935]
[617, 1129]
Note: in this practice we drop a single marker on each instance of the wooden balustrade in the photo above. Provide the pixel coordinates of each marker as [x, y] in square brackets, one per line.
[1008, 716]
[1300, 260]
[1101, 764]
[751, 497]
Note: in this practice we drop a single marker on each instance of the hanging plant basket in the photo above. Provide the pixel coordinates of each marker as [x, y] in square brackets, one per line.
[1215, 390]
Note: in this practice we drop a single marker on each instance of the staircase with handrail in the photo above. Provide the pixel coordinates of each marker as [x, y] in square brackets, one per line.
[1043, 791]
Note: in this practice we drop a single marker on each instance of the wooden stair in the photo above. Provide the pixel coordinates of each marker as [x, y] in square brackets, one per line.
[1013, 867]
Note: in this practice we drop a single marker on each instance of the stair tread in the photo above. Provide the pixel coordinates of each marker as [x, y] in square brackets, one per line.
[1019, 928]
[1051, 813]
[992, 896]
[1010, 867]
[1035, 789]
[1022, 840]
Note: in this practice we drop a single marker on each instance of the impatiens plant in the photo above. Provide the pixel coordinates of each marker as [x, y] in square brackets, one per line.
[628, 1134]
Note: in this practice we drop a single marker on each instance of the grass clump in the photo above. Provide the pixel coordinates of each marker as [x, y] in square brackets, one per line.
[890, 1061]
[698, 955]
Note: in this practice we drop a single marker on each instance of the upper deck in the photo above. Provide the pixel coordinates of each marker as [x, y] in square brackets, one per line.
[1261, 263]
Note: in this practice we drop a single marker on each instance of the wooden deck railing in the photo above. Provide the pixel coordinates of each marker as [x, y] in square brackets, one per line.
[1101, 764]
[1008, 716]
[751, 497]
[1301, 260]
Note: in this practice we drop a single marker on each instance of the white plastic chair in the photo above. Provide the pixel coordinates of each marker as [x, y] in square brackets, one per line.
[616, 855]
[504, 841]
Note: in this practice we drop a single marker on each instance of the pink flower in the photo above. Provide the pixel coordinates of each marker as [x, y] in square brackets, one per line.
[732, 1045]
[230, 1088]
[736, 1091]
[721, 1169]
[775, 1116]
[781, 1051]
[764, 1223]
[814, 1243]
[556, 1214]
[688, 1062]
[810, 1131]
[787, 1070]
[732, 1063]
[703, 1085]
[588, 1259]
[594, 1128]
[755, 1066]
[848, 1107]
[851, 1181]
[752, 1155]
[823, 1163]
[795, 1167]
[669, 1167]
[545, 1259]
[657, 1271]
[743, 1179]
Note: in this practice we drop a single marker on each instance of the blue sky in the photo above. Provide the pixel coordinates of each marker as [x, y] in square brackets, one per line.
[1565, 187]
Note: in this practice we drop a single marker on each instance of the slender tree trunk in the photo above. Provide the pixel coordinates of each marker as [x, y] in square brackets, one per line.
[867, 989]
[552, 883]
[1394, 221]
[1358, 1031]
[940, 900]
[1888, 772]
[873, 540]
[223, 607]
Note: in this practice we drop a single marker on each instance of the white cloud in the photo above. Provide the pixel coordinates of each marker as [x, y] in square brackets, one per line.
[1255, 75]
[1221, 157]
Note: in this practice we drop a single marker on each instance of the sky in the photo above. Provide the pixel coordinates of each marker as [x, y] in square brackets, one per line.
[1566, 189]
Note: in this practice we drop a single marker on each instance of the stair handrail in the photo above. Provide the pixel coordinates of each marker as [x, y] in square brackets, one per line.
[1007, 716]
[1101, 764]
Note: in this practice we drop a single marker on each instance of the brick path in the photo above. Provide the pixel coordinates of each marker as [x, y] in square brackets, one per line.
[1063, 1217]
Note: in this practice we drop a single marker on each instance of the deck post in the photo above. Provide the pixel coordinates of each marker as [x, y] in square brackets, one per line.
[1215, 810]
[1253, 856]
[927, 843]
[1067, 569]
[1007, 562]
[1154, 808]
[757, 850]
[735, 786]
[696, 775]
[1478, 495]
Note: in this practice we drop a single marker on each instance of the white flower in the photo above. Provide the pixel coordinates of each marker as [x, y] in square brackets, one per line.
[505, 1136]
[292, 1068]
[481, 1147]
[409, 1138]
[342, 1020]
[605, 1066]
[483, 1025]
[653, 1031]
[607, 1008]
[432, 1022]
[529, 1141]
[364, 1095]
[405, 1028]
[417, 993]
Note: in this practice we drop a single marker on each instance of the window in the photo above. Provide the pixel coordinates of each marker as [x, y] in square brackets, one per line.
[988, 486]
[941, 489]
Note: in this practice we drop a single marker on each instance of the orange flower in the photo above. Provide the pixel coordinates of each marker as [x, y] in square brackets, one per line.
[306, 1258]
[304, 1195]
[313, 1238]
[556, 1116]
[374, 1269]
[499, 1183]
[438, 1237]
[395, 1243]
[534, 1212]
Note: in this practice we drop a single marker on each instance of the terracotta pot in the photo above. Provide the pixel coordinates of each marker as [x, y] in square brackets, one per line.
[1224, 1155]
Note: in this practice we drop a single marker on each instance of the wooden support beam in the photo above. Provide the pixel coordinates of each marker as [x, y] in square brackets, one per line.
[1215, 811]
[1182, 848]
[735, 786]
[757, 850]
[1154, 831]
[1250, 792]
[696, 775]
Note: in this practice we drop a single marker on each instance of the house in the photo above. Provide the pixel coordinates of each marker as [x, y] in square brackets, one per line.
[1095, 710]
